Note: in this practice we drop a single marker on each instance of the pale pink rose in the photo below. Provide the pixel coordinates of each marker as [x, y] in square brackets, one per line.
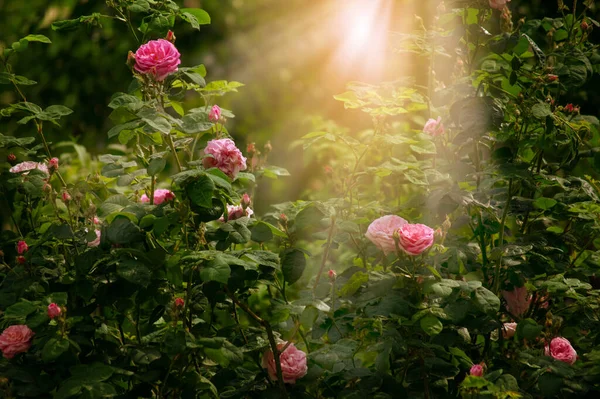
[22, 247]
[54, 310]
[509, 330]
[214, 114]
[414, 239]
[292, 360]
[160, 195]
[157, 58]
[381, 232]
[95, 242]
[498, 4]
[53, 164]
[29, 165]
[517, 301]
[15, 339]
[225, 156]
[236, 212]
[476, 370]
[434, 127]
[561, 349]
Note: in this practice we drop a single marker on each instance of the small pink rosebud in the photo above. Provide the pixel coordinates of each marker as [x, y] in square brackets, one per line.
[477, 370]
[179, 302]
[54, 310]
[11, 158]
[22, 247]
[283, 218]
[332, 275]
[251, 149]
[53, 164]
[21, 260]
[245, 201]
[584, 25]
[551, 77]
[66, 197]
[569, 107]
[95, 220]
[170, 36]
[214, 114]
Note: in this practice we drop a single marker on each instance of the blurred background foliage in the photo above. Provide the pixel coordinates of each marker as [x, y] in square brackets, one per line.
[292, 56]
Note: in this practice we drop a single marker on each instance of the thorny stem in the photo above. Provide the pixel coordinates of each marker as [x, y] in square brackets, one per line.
[170, 142]
[325, 253]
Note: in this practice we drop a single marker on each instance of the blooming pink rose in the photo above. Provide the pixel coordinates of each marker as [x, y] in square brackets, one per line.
[158, 58]
[498, 4]
[434, 127]
[517, 301]
[53, 164]
[215, 113]
[561, 349]
[22, 247]
[477, 370]
[225, 156]
[15, 339]
[54, 310]
[236, 212]
[29, 165]
[95, 242]
[179, 302]
[509, 330]
[381, 232]
[414, 239]
[292, 360]
[160, 195]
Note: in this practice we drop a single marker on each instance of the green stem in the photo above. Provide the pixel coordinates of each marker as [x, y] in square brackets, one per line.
[501, 238]
[325, 253]
[172, 146]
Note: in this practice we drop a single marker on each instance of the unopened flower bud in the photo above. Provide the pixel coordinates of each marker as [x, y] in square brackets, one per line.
[214, 114]
[283, 218]
[11, 158]
[54, 310]
[332, 275]
[53, 164]
[245, 201]
[22, 247]
[551, 78]
[170, 37]
[21, 260]
[584, 25]
[251, 149]
[179, 302]
[66, 197]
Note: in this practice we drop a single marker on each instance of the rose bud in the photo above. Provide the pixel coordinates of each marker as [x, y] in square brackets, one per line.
[551, 77]
[251, 148]
[66, 197]
[476, 370]
[214, 114]
[21, 260]
[22, 247]
[53, 164]
[11, 158]
[170, 36]
[54, 310]
[332, 275]
[179, 302]
[245, 201]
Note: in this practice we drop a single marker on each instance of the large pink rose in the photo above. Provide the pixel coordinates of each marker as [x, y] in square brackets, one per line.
[160, 195]
[293, 364]
[236, 212]
[157, 58]
[29, 165]
[15, 339]
[225, 156]
[414, 239]
[509, 330]
[560, 348]
[381, 232]
[498, 4]
[434, 127]
[517, 301]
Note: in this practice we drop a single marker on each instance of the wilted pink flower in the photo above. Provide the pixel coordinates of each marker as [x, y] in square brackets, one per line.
[158, 58]
[53, 164]
[245, 201]
[561, 349]
[179, 302]
[236, 212]
[214, 114]
[381, 232]
[332, 275]
[15, 339]
[498, 4]
[476, 370]
[414, 239]
[29, 165]
[66, 197]
[160, 195]
[96, 241]
[509, 330]
[292, 360]
[434, 127]
[517, 301]
[54, 310]
[22, 247]
[225, 156]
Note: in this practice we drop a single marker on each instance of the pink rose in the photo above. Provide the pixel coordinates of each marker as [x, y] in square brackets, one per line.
[236, 212]
[561, 349]
[214, 114]
[292, 360]
[160, 195]
[96, 241]
[498, 4]
[179, 302]
[414, 239]
[15, 339]
[22, 247]
[225, 156]
[53, 164]
[434, 127]
[476, 370]
[517, 301]
[509, 330]
[158, 58]
[381, 232]
[27, 166]
[54, 310]
[332, 275]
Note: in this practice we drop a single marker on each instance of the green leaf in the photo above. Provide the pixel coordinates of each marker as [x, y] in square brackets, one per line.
[156, 165]
[37, 38]
[293, 263]
[195, 17]
[20, 309]
[354, 284]
[529, 329]
[261, 232]
[431, 325]
[486, 300]
[544, 203]
[139, 6]
[54, 348]
[122, 231]
[134, 271]
[200, 191]
[69, 388]
[216, 270]
[541, 110]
